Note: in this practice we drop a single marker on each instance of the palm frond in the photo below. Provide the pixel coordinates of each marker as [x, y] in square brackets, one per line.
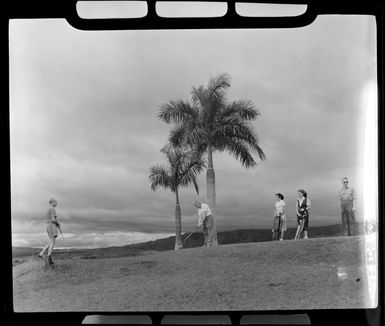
[217, 88]
[195, 134]
[176, 136]
[159, 177]
[213, 98]
[241, 132]
[184, 163]
[244, 109]
[199, 96]
[241, 153]
[173, 155]
[193, 165]
[188, 179]
[210, 119]
[176, 112]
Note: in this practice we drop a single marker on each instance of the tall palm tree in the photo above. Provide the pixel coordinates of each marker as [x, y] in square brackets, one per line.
[182, 170]
[211, 123]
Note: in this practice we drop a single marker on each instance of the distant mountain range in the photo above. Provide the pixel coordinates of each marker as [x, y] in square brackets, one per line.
[195, 240]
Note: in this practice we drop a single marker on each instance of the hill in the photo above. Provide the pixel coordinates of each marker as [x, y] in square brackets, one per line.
[196, 240]
[319, 273]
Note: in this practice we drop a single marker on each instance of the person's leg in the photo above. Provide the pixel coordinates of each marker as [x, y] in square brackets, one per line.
[47, 246]
[276, 228]
[215, 236]
[279, 233]
[350, 218]
[205, 234]
[297, 232]
[344, 218]
[51, 245]
[300, 228]
[306, 227]
[352, 223]
[43, 250]
[283, 226]
[210, 235]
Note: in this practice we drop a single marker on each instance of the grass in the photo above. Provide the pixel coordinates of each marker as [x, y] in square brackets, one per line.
[228, 237]
[303, 274]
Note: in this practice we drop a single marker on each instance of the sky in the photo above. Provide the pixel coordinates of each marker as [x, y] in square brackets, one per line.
[84, 126]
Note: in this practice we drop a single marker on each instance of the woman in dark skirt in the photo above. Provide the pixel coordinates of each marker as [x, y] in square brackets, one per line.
[303, 206]
[52, 229]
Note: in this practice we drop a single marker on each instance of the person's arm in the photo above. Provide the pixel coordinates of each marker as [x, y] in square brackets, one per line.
[340, 195]
[202, 216]
[297, 207]
[54, 216]
[308, 204]
[354, 199]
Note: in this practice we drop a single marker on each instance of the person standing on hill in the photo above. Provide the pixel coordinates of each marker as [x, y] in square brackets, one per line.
[52, 230]
[347, 200]
[279, 224]
[206, 219]
[303, 206]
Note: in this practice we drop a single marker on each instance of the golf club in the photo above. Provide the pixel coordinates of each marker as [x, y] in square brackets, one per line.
[190, 234]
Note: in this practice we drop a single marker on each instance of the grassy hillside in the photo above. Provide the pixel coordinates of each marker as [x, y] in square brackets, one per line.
[319, 273]
[196, 240]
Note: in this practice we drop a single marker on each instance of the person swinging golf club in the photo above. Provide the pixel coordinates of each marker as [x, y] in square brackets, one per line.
[206, 219]
[52, 230]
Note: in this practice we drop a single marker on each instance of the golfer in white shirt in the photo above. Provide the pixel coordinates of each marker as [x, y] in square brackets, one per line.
[206, 219]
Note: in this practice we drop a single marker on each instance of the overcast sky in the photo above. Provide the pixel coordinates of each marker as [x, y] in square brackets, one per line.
[84, 125]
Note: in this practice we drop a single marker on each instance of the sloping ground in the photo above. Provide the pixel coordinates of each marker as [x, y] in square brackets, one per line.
[20, 254]
[322, 273]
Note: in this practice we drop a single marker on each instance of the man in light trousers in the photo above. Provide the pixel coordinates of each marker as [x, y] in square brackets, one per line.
[206, 219]
[348, 200]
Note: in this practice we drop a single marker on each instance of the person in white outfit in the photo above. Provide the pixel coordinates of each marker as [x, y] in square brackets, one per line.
[52, 229]
[279, 224]
[206, 219]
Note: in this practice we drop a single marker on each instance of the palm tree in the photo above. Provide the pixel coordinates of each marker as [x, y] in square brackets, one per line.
[211, 124]
[182, 170]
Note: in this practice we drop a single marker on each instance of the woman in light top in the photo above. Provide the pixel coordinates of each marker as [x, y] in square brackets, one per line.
[206, 219]
[279, 225]
[52, 229]
[303, 207]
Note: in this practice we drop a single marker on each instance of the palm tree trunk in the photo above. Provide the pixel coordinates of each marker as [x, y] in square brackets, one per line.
[178, 223]
[210, 179]
[210, 188]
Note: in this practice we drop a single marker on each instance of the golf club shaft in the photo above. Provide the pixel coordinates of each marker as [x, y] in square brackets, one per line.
[190, 233]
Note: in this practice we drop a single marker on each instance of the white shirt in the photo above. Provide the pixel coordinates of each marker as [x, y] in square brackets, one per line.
[51, 214]
[347, 194]
[280, 207]
[203, 212]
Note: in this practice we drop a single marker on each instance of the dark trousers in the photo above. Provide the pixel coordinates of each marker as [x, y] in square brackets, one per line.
[348, 219]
